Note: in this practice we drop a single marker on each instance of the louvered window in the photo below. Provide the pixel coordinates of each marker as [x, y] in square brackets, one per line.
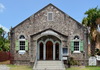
[50, 16]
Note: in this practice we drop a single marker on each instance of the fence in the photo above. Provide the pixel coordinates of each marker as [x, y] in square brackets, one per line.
[4, 56]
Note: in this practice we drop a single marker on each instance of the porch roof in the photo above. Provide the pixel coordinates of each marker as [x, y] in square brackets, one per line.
[47, 30]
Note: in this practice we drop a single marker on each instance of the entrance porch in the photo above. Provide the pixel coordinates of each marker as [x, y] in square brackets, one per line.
[49, 48]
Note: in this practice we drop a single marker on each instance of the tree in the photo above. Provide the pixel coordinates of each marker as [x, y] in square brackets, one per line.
[4, 42]
[90, 21]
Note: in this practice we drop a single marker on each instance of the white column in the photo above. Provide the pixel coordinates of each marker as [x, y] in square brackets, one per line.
[53, 51]
[61, 52]
[44, 50]
[38, 52]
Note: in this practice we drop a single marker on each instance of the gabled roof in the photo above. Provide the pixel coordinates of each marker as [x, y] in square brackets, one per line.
[47, 30]
[43, 9]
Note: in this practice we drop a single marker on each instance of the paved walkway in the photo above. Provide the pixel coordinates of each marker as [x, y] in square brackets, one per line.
[4, 67]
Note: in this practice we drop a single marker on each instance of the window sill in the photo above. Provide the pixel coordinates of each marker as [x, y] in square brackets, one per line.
[21, 51]
[76, 52]
[64, 58]
[65, 54]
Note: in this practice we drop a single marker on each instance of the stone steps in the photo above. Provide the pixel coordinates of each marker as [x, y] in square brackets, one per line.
[49, 65]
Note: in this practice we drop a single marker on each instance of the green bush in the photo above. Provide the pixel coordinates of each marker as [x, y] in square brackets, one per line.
[97, 51]
[73, 62]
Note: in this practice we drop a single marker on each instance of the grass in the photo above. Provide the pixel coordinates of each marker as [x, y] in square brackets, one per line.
[83, 68]
[19, 67]
[24, 67]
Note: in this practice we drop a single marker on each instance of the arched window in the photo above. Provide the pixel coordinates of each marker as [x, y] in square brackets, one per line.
[22, 37]
[22, 42]
[76, 44]
[76, 37]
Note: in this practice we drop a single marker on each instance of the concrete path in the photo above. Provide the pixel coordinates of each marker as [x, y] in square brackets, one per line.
[4, 67]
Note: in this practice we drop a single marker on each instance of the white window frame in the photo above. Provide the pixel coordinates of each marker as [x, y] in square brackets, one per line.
[19, 42]
[79, 46]
[21, 51]
[48, 16]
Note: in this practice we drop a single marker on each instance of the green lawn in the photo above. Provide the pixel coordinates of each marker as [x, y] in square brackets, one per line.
[83, 68]
[19, 67]
[24, 67]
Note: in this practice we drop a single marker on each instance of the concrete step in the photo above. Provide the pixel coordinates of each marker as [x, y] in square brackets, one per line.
[49, 65]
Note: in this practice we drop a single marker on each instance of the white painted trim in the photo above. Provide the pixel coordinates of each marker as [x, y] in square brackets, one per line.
[22, 39]
[77, 35]
[21, 34]
[77, 40]
[57, 42]
[19, 43]
[44, 48]
[61, 52]
[53, 51]
[76, 52]
[22, 52]
[44, 52]
[49, 40]
[49, 32]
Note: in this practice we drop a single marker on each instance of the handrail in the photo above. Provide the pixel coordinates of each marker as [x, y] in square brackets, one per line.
[63, 64]
[35, 63]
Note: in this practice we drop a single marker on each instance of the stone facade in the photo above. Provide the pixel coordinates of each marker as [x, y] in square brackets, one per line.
[62, 24]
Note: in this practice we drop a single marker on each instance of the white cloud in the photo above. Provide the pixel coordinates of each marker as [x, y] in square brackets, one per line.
[2, 7]
[6, 29]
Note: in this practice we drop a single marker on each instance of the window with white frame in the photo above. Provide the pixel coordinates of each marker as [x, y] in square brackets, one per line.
[76, 45]
[22, 42]
[50, 16]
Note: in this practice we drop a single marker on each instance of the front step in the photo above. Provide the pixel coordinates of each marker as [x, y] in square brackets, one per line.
[49, 65]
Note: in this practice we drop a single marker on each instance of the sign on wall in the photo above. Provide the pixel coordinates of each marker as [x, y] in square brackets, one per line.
[92, 61]
[64, 58]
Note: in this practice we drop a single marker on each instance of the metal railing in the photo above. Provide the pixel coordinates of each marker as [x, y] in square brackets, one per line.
[35, 63]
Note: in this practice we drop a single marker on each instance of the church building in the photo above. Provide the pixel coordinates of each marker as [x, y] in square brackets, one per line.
[48, 35]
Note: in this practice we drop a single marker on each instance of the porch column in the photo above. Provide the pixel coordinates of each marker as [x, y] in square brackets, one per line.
[38, 50]
[60, 51]
[53, 51]
[44, 52]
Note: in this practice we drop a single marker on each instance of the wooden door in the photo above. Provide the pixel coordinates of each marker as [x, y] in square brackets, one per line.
[41, 51]
[49, 50]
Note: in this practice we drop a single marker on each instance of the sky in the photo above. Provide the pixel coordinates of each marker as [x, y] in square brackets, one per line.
[12, 12]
